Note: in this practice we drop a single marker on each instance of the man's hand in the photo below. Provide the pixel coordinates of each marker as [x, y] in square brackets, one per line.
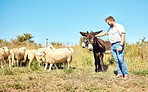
[120, 48]
[100, 35]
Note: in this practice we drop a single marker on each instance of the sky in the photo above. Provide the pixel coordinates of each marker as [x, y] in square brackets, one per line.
[62, 20]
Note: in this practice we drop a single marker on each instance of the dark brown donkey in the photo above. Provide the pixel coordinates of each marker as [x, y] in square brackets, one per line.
[98, 47]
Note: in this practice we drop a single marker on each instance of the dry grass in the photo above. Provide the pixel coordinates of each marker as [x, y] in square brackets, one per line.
[81, 76]
[78, 79]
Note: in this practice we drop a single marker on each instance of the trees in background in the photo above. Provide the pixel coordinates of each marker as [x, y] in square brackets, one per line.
[24, 40]
[25, 37]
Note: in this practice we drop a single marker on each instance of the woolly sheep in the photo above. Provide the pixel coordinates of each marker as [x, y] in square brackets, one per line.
[61, 55]
[30, 55]
[4, 51]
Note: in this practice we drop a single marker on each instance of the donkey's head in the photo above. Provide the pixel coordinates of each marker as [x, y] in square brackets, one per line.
[85, 42]
[91, 39]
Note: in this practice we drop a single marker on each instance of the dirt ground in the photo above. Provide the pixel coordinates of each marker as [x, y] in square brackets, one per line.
[75, 79]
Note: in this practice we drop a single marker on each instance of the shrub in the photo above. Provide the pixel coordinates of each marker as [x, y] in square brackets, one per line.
[110, 60]
[35, 66]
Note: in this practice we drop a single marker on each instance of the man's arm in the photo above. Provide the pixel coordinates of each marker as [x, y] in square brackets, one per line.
[122, 38]
[122, 41]
[101, 34]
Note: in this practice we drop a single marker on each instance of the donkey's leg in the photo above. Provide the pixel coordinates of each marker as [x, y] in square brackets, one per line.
[99, 66]
[101, 62]
[96, 63]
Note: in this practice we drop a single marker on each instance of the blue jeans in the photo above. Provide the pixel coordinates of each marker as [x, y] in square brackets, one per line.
[119, 58]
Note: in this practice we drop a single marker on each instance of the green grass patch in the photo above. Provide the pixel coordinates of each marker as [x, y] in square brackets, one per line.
[8, 71]
[18, 86]
[141, 72]
[35, 66]
[68, 71]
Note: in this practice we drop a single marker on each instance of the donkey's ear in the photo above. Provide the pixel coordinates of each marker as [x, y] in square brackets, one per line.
[83, 34]
[98, 32]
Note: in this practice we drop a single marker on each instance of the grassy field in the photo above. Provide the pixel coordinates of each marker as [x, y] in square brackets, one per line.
[81, 76]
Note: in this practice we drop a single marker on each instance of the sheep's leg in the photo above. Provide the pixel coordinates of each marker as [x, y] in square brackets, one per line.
[9, 61]
[21, 63]
[39, 62]
[1, 64]
[56, 66]
[68, 61]
[46, 64]
[13, 61]
[68, 65]
[30, 61]
[65, 65]
[50, 67]
[17, 63]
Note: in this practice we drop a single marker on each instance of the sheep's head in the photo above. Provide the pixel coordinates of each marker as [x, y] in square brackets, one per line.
[51, 47]
[6, 49]
[24, 48]
[71, 49]
[40, 53]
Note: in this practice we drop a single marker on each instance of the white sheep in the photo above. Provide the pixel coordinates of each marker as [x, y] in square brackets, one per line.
[3, 53]
[62, 55]
[11, 57]
[16, 54]
[30, 55]
[41, 53]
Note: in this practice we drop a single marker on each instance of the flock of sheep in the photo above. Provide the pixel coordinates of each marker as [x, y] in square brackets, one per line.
[48, 55]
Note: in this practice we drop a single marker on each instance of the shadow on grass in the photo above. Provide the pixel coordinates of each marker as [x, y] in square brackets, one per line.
[115, 72]
[106, 67]
[65, 67]
[61, 66]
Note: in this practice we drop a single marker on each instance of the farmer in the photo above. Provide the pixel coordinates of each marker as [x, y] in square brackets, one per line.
[116, 35]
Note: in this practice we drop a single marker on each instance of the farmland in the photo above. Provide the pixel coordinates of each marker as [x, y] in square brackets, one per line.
[81, 76]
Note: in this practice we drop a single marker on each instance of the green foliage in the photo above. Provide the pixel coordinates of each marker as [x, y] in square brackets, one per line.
[7, 71]
[25, 37]
[68, 71]
[1, 40]
[69, 87]
[58, 45]
[18, 86]
[82, 56]
[143, 41]
[141, 72]
[81, 40]
[138, 51]
[87, 60]
[35, 66]
[110, 60]
[3, 43]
